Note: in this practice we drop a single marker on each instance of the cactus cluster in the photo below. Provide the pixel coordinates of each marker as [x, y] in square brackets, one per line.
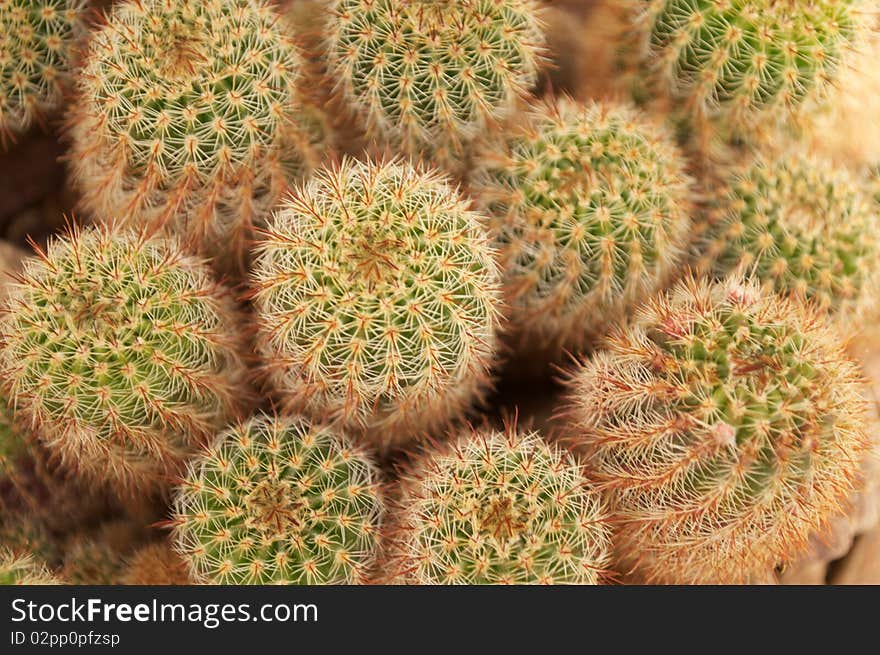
[589, 210]
[427, 76]
[499, 508]
[279, 501]
[727, 424]
[38, 40]
[122, 353]
[800, 226]
[189, 119]
[376, 293]
[745, 62]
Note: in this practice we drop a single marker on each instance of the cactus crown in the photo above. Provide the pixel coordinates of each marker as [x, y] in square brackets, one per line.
[801, 227]
[37, 39]
[500, 507]
[430, 74]
[728, 425]
[121, 348]
[740, 59]
[279, 501]
[377, 297]
[589, 210]
[23, 570]
[188, 116]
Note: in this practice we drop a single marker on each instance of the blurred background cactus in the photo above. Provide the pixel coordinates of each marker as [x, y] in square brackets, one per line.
[38, 40]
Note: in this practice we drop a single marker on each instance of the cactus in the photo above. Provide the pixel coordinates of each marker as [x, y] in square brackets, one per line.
[189, 119]
[98, 556]
[726, 424]
[121, 352]
[37, 47]
[589, 209]
[23, 570]
[377, 300]
[801, 227]
[746, 62]
[279, 501]
[499, 508]
[24, 535]
[155, 564]
[429, 76]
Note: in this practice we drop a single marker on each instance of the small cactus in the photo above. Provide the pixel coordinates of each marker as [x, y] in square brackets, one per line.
[279, 501]
[745, 62]
[23, 570]
[430, 76]
[188, 118]
[121, 352]
[37, 43]
[155, 564]
[726, 424]
[803, 227]
[377, 300]
[97, 557]
[589, 210]
[499, 508]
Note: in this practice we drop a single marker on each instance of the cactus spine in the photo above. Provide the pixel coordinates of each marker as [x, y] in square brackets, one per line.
[589, 210]
[377, 299]
[727, 424]
[801, 227]
[37, 44]
[279, 501]
[430, 76]
[189, 118]
[745, 62]
[499, 508]
[121, 352]
[23, 570]
[156, 564]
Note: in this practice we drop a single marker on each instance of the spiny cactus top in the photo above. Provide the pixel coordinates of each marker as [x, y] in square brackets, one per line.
[803, 227]
[377, 299]
[589, 209]
[122, 352]
[741, 60]
[37, 42]
[279, 501]
[188, 117]
[23, 570]
[727, 425]
[429, 75]
[496, 508]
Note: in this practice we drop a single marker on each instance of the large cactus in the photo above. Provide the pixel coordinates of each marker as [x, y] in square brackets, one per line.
[727, 425]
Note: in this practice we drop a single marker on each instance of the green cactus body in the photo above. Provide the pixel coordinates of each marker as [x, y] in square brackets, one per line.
[499, 508]
[37, 43]
[747, 61]
[121, 351]
[279, 501]
[429, 76]
[801, 227]
[590, 212]
[727, 425]
[377, 299]
[23, 570]
[188, 118]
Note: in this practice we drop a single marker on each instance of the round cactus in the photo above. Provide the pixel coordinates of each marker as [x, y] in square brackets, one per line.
[430, 76]
[499, 508]
[23, 570]
[377, 299]
[37, 44]
[155, 564]
[589, 209]
[121, 351]
[801, 227]
[279, 501]
[747, 61]
[727, 424]
[189, 119]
